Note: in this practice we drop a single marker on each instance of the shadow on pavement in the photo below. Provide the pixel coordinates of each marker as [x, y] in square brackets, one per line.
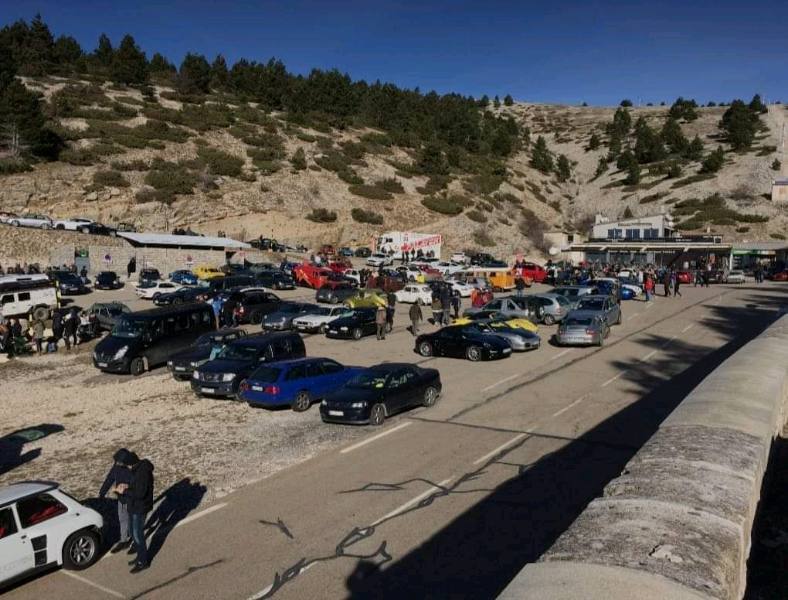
[12, 445]
[176, 503]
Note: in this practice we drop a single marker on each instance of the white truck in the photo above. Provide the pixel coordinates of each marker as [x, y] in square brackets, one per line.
[25, 296]
[398, 242]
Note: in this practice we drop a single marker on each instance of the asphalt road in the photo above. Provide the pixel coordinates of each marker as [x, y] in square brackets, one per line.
[452, 501]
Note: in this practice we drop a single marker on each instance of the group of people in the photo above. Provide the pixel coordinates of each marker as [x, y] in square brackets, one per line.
[130, 482]
[16, 338]
[23, 269]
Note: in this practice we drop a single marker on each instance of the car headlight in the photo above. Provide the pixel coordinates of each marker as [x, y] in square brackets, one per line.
[196, 375]
[169, 363]
[198, 363]
[324, 403]
[120, 353]
[358, 405]
[343, 328]
[95, 355]
[228, 377]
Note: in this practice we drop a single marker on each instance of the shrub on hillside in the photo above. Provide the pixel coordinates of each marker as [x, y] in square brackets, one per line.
[482, 238]
[366, 216]
[476, 215]
[350, 176]
[370, 191]
[391, 184]
[170, 179]
[220, 162]
[131, 165]
[9, 166]
[298, 160]
[322, 215]
[333, 161]
[713, 162]
[109, 179]
[446, 205]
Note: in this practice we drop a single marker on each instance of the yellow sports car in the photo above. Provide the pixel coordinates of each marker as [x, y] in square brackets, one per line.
[515, 322]
[205, 272]
[366, 299]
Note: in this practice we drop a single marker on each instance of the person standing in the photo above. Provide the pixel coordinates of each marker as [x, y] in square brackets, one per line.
[437, 310]
[415, 318]
[70, 325]
[38, 334]
[57, 327]
[446, 305]
[139, 496]
[666, 283]
[648, 286]
[391, 301]
[455, 303]
[380, 322]
[119, 474]
[131, 268]
[519, 284]
[676, 285]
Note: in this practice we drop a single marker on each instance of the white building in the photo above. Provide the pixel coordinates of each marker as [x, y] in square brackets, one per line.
[780, 190]
[635, 228]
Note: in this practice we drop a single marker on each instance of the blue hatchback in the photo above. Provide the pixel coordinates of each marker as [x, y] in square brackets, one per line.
[183, 277]
[296, 383]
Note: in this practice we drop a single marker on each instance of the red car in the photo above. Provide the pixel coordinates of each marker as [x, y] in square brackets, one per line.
[311, 275]
[781, 276]
[533, 272]
[340, 266]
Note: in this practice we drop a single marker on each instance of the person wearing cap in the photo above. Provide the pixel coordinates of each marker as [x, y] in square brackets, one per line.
[119, 474]
[139, 493]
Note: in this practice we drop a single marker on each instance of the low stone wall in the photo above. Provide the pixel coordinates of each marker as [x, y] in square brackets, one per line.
[677, 522]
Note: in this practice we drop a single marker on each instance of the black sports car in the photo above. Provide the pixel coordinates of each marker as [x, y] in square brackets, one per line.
[98, 229]
[207, 346]
[458, 342]
[356, 326]
[381, 391]
[107, 280]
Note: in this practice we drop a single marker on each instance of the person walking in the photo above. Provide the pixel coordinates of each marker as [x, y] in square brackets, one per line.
[519, 284]
[38, 334]
[57, 327]
[380, 322]
[131, 268]
[415, 318]
[228, 313]
[648, 287]
[119, 474]
[391, 301]
[70, 325]
[455, 303]
[437, 310]
[446, 305]
[139, 496]
[676, 285]
[666, 283]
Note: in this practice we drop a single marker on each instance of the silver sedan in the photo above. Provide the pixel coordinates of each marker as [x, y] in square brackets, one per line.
[583, 330]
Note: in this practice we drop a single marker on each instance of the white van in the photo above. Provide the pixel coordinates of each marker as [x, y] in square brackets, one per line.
[27, 296]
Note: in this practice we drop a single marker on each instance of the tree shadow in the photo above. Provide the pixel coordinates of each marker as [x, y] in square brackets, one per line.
[12, 445]
[176, 503]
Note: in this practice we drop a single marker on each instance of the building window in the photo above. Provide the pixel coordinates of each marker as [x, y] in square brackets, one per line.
[614, 234]
[633, 234]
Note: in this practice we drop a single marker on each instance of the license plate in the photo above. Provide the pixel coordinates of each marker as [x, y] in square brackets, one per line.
[207, 390]
[257, 388]
[301, 327]
[507, 350]
[180, 368]
[102, 364]
[336, 413]
[332, 331]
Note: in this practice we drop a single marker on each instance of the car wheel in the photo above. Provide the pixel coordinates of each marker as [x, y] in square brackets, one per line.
[137, 366]
[81, 550]
[302, 401]
[256, 318]
[15, 223]
[155, 296]
[357, 333]
[473, 353]
[425, 349]
[377, 414]
[84, 230]
[549, 319]
[59, 227]
[177, 300]
[41, 313]
[430, 396]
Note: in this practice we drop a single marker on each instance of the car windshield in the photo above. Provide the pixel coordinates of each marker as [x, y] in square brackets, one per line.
[266, 374]
[238, 352]
[591, 305]
[106, 275]
[561, 300]
[574, 322]
[321, 311]
[117, 310]
[147, 283]
[68, 278]
[368, 380]
[129, 328]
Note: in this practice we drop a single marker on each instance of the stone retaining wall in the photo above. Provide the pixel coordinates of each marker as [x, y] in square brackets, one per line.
[677, 522]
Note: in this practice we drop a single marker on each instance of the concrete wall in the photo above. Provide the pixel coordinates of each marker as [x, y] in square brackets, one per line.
[780, 193]
[676, 524]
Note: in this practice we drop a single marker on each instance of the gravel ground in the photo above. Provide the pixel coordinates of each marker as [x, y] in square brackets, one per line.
[220, 444]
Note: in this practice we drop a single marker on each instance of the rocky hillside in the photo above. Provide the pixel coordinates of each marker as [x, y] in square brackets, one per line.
[165, 159]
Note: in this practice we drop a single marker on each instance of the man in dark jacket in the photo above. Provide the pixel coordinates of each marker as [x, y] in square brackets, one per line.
[415, 318]
[455, 304]
[131, 268]
[139, 495]
[391, 303]
[119, 474]
[70, 326]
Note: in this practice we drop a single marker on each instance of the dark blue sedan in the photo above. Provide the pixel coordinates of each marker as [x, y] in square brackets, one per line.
[183, 277]
[295, 383]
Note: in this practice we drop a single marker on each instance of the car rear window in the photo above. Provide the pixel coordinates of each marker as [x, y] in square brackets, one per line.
[578, 322]
[266, 374]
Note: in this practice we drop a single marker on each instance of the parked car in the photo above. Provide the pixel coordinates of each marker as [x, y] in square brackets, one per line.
[357, 324]
[555, 307]
[334, 292]
[684, 277]
[107, 314]
[222, 376]
[415, 293]
[254, 304]
[462, 288]
[71, 224]
[362, 252]
[779, 276]
[207, 272]
[182, 363]
[457, 342]
[276, 280]
[149, 274]
[582, 329]
[142, 340]
[295, 383]
[366, 299]
[596, 305]
[313, 276]
[150, 290]
[533, 272]
[519, 339]
[495, 319]
[98, 229]
[41, 526]
[318, 319]
[184, 277]
[68, 283]
[379, 260]
[107, 280]
[381, 391]
[459, 258]
[282, 318]
[31, 220]
[527, 307]
[182, 295]
[345, 251]
[735, 276]
[573, 293]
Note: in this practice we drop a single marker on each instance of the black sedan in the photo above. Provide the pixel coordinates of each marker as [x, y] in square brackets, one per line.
[458, 342]
[69, 283]
[107, 280]
[183, 295]
[98, 229]
[207, 346]
[276, 280]
[355, 326]
[381, 391]
[335, 292]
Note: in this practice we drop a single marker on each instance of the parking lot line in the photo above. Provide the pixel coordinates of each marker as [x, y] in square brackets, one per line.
[503, 446]
[413, 501]
[632, 316]
[502, 381]
[106, 590]
[375, 437]
[196, 516]
[558, 413]
[649, 355]
[688, 327]
[562, 353]
[612, 379]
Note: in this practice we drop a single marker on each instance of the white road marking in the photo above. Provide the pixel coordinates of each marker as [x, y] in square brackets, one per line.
[688, 327]
[649, 355]
[667, 342]
[612, 379]
[106, 590]
[569, 407]
[196, 516]
[649, 305]
[562, 353]
[503, 446]
[412, 501]
[502, 381]
[632, 316]
[375, 437]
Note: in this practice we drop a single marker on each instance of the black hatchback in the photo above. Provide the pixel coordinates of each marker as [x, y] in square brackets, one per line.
[107, 280]
[68, 283]
[355, 326]
[222, 376]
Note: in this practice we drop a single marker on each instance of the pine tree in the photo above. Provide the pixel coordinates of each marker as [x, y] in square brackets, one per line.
[194, 76]
[683, 109]
[129, 64]
[626, 102]
[622, 122]
[160, 66]
[508, 100]
[627, 213]
[776, 165]
[484, 101]
[625, 160]
[219, 74]
[633, 174]
[66, 50]
[432, 161]
[541, 158]
[695, 149]
[674, 137]
[496, 102]
[563, 168]
[593, 142]
[674, 169]
[648, 144]
[740, 124]
[714, 161]
[299, 160]
[104, 51]
[601, 166]
[757, 105]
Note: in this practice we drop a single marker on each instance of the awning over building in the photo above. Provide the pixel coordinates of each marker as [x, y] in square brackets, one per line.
[650, 246]
[185, 242]
[759, 248]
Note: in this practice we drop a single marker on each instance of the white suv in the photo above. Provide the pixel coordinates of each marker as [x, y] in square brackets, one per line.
[42, 526]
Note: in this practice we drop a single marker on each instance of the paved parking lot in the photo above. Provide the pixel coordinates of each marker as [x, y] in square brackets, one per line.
[458, 496]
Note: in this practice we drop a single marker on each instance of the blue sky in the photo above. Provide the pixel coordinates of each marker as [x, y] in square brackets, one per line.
[567, 52]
